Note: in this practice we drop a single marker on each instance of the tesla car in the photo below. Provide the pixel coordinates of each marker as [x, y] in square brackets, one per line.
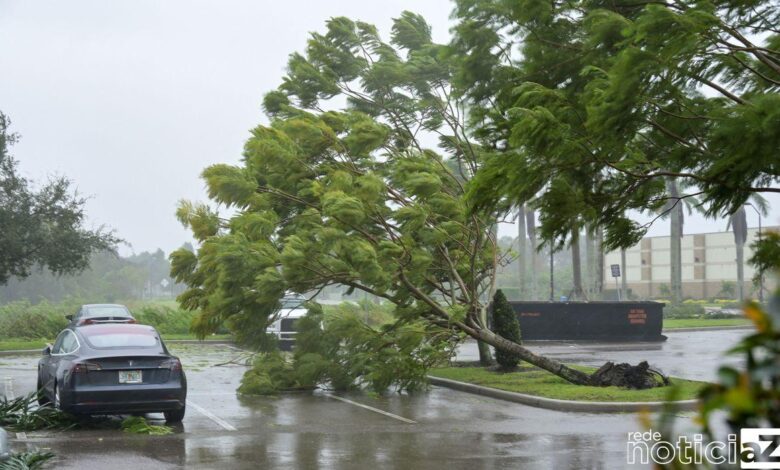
[101, 313]
[112, 368]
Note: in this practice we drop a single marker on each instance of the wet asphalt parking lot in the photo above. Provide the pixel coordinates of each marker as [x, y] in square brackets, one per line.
[438, 429]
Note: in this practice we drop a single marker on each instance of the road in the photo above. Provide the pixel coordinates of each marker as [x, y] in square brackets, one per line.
[440, 429]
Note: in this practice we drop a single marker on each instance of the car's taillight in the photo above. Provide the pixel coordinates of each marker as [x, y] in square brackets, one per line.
[84, 367]
[172, 364]
[131, 320]
[86, 322]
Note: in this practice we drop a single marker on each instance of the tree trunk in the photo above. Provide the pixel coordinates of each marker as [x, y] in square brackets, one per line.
[738, 224]
[576, 265]
[675, 242]
[530, 223]
[623, 277]
[522, 253]
[485, 356]
[617, 376]
[550, 365]
[599, 261]
[590, 264]
[741, 272]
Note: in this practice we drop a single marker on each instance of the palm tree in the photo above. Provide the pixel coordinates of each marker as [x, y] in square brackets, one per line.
[577, 292]
[530, 224]
[738, 223]
[674, 209]
[522, 252]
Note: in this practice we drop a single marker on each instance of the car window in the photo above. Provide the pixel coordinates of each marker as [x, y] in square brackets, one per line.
[292, 302]
[105, 311]
[116, 338]
[58, 344]
[69, 343]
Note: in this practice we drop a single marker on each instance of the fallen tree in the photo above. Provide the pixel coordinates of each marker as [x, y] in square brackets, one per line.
[352, 196]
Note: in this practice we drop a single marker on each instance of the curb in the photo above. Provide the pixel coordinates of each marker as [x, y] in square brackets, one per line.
[709, 328]
[563, 405]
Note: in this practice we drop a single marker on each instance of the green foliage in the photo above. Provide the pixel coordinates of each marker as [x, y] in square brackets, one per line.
[683, 310]
[42, 226]
[44, 321]
[348, 197]
[270, 373]
[766, 254]
[581, 101]
[339, 350]
[355, 197]
[23, 414]
[165, 319]
[728, 289]
[30, 460]
[505, 324]
[371, 313]
[139, 425]
[109, 279]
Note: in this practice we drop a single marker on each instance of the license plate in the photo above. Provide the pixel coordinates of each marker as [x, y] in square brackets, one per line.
[130, 377]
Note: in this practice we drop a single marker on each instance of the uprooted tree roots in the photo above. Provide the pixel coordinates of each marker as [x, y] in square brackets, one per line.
[640, 376]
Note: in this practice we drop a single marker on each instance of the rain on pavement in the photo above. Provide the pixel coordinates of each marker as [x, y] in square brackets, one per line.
[440, 428]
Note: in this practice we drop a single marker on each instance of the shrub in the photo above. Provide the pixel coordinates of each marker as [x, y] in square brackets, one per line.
[165, 319]
[270, 373]
[683, 310]
[25, 321]
[505, 324]
[342, 351]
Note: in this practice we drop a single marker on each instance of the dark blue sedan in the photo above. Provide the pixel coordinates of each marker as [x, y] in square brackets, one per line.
[112, 368]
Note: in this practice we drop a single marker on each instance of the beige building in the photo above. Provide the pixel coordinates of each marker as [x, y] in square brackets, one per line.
[708, 259]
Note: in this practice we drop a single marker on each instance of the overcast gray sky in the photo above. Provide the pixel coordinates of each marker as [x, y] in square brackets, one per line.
[132, 99]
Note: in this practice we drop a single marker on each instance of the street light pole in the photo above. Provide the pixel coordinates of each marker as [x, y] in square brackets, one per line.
[761, 275]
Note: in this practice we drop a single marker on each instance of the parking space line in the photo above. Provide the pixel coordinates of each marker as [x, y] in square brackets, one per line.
[371, 408]
[9, 395]
[225, 425]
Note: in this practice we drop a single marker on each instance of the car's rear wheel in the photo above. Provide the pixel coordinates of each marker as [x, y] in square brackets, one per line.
[174, 416]
[42, 398]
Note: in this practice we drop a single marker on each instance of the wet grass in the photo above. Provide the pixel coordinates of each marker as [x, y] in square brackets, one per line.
[674, 323]
[534, 381]
[21, 344]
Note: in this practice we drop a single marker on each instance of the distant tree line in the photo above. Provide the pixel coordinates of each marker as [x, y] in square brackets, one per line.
[109, 278]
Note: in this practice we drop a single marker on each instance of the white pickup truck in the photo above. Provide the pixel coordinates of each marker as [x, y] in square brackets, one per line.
[284, 327]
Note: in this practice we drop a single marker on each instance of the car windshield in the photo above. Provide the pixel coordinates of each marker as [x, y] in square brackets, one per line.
[106, 311]
[120, 338]
[292, 302]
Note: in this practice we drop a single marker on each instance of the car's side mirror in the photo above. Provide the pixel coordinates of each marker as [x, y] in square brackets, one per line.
[69, 317]
[47, 350]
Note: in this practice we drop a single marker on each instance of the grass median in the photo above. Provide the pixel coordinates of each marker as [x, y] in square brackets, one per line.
[21, 344]
[676, 323]
[534, 381]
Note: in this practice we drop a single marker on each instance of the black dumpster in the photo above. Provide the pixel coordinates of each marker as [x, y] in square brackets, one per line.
[590, 321]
